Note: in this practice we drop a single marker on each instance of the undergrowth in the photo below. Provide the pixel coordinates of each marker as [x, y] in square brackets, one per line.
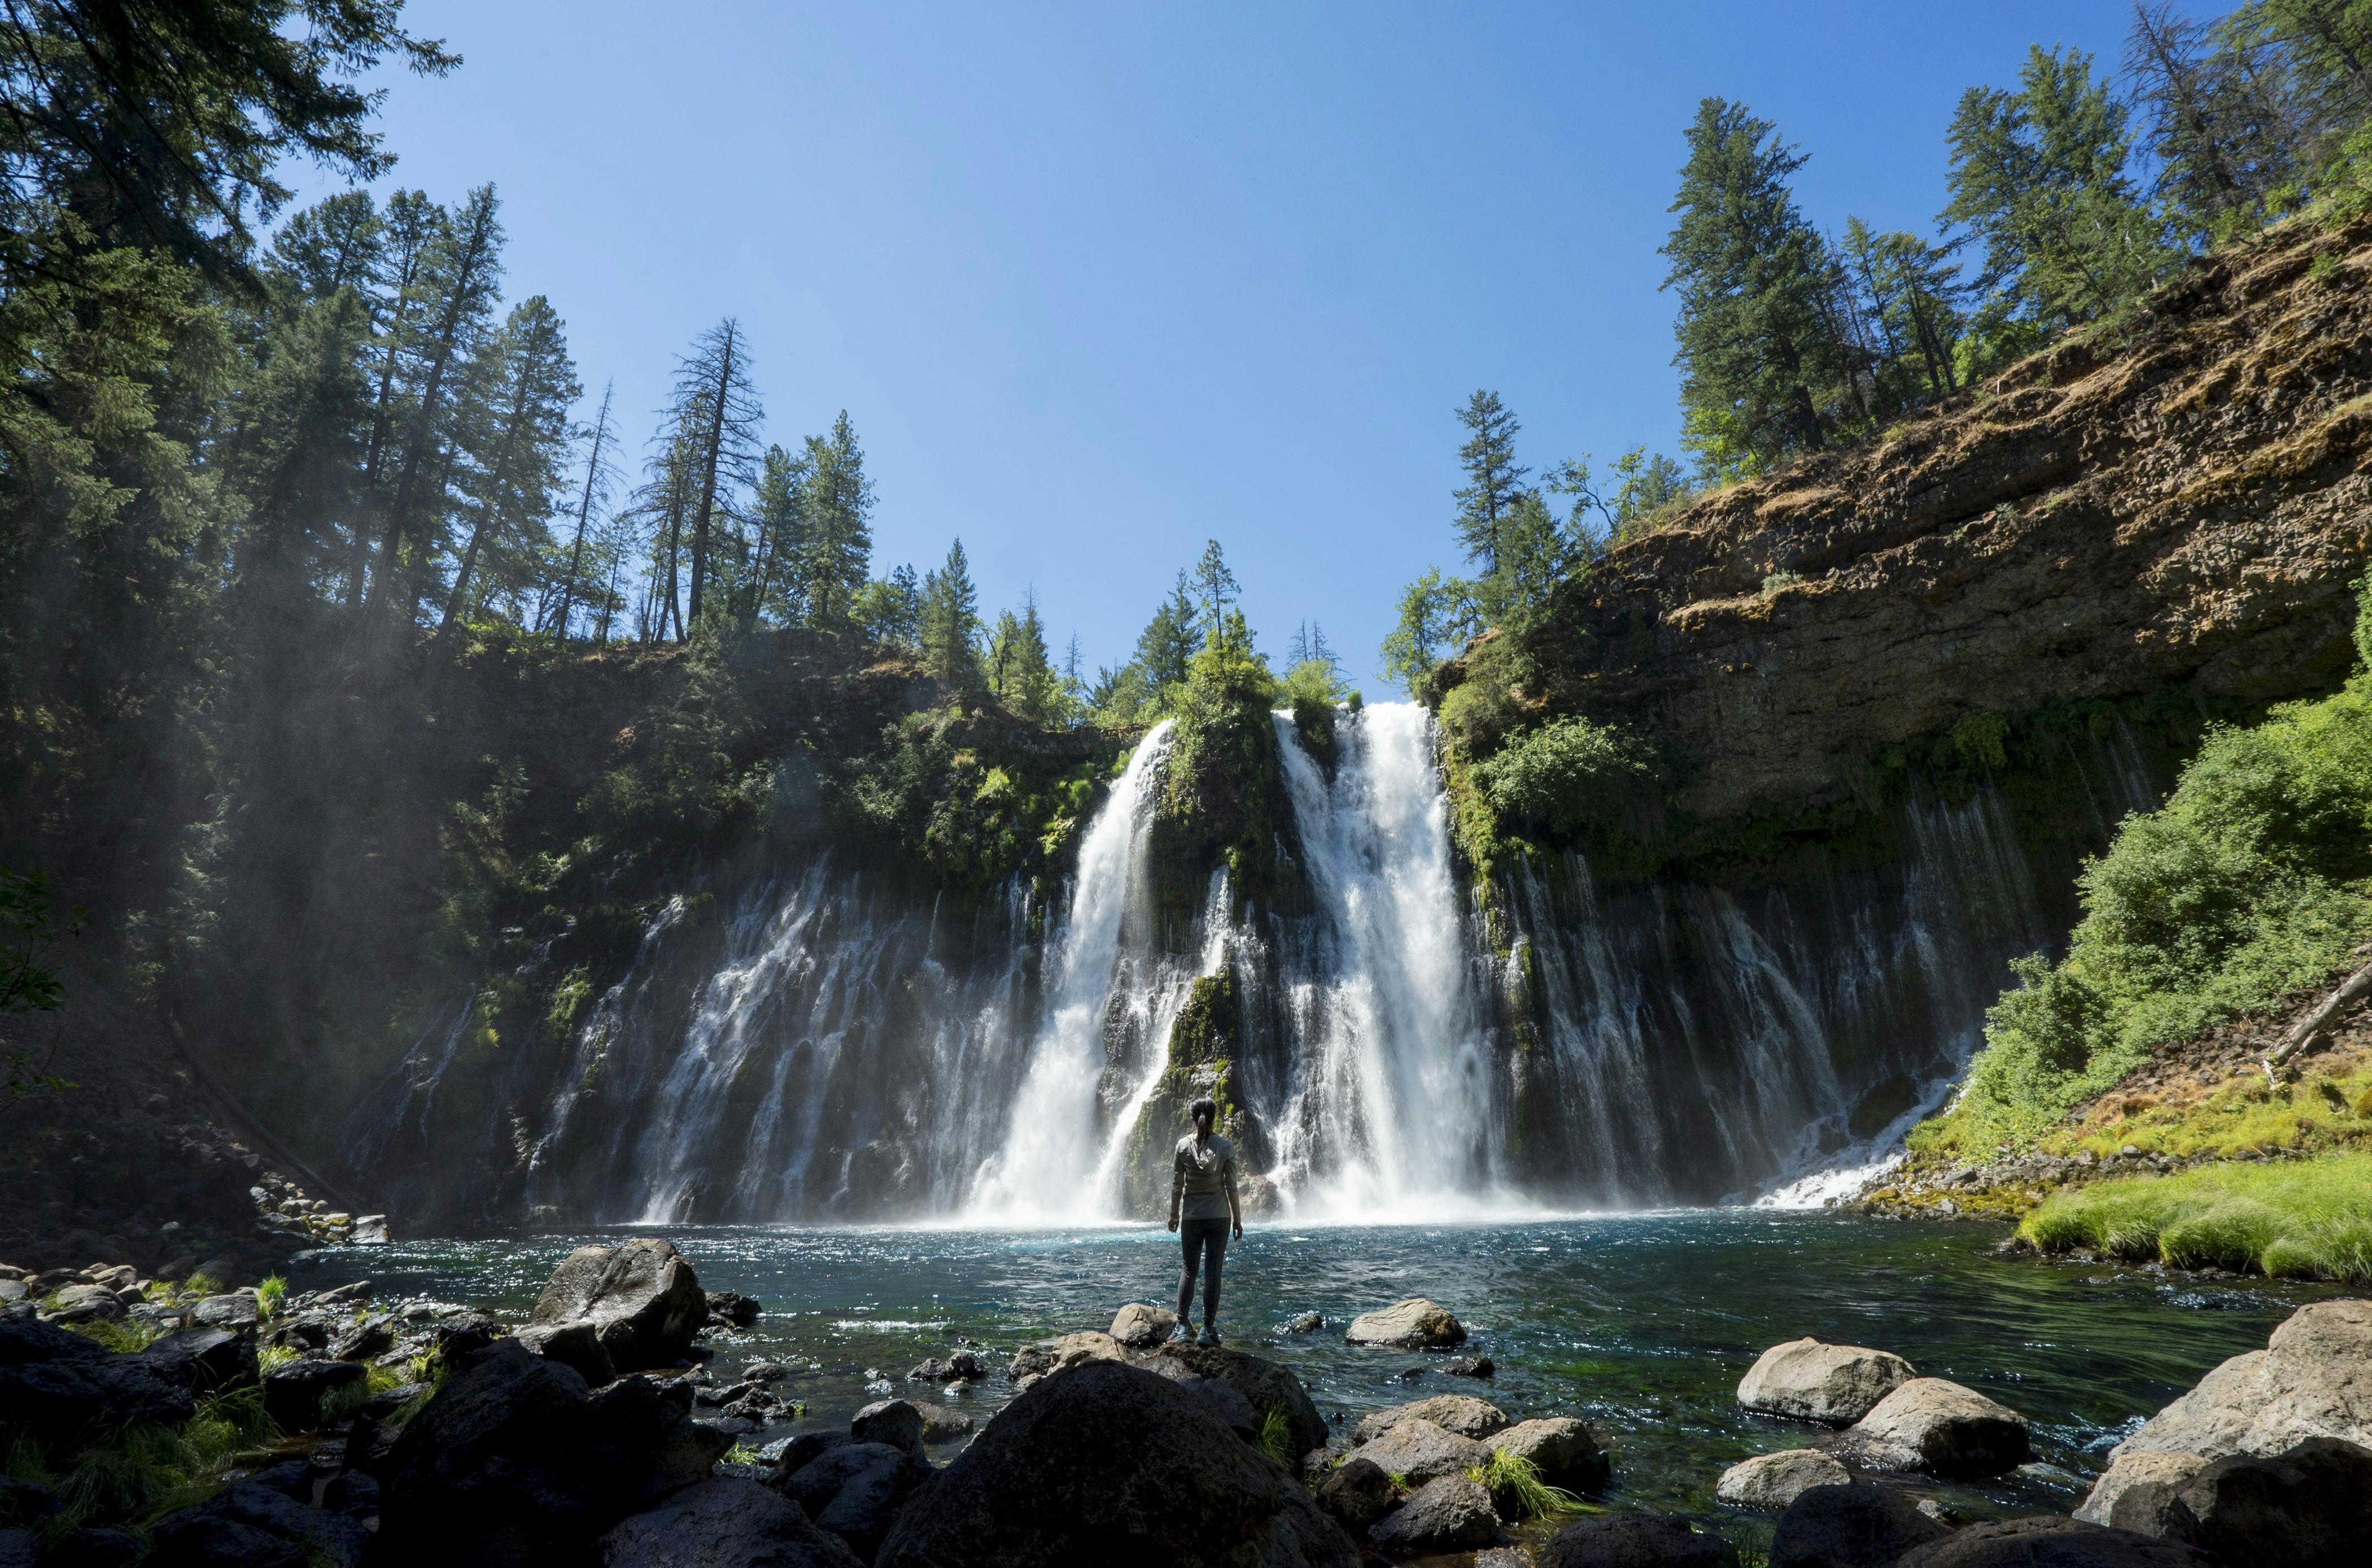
[141, 1472]
[1276, 1438]
[1518, 1491]
[2305, 1219]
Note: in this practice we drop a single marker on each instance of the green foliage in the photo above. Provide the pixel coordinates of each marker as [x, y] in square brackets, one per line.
[139, 1473]
[2304, 1219]
[1277, 1437]
[950, 621]
[271, 1294]
[27, 928]
[1569, 778]
[1518, 1491]
[1493, 478]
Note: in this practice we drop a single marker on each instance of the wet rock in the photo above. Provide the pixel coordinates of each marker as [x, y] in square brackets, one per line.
[1108, 1463]
[293, 1391]
[1469, 1366]
[1461, 1413]
[464, 1333]
[941, 1424]
[2310, 1507]
[370, 1230]
[731, 1306]
[2309, 1381]
[1856, 1525]
[255, 1523]
[57, 1383]
[232, 1309]
[1264, 1384]
[1631, 1540]
[1307, 1323]
[1931, 1424]
[1140, 1326]
[803, 1450]
[724, 1524]
[516, 1462]
[574, 1345]
[2052, 1542]
[855, 1490]
[1773, 1481]
[892, 1422]
[1561, 1448]
[1837, 1385]
[960, 1367]
[2136, 1492]
[1358, 1493]
[1030, 1360]
[642, 1298]
[1413, 1324]
[205, 1360]
[1451, 1514]
[765, 1371]
[1423, 1452]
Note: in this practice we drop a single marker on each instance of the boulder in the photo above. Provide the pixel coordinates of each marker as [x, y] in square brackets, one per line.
[1461, 1413]
[86, 1304]
[642, 1298]
[1140, 1326]
[1110, 1464]
[941, 1424]
[1226, 1403]
[576, 1346]
[895, 1422]
[1930, 1423]
[232, 1309]
[205, 1360]
[1836, 1385]
[515, 1462]
[1448, 1514]
[20, 1549]
[1263, 1384]
[55, 1383]
[1307, 1323]
[1631, 1540]
[855, 1490]
[1423, 1452]
[258, 1524]
[1469, 1366]
[1071, 1350]
[363, 1341]
[2310, 1507]
[1561, 1448]
[1413, 1324]
[1358, 1493]
[2313, 1379]
[730, 1307]
[2136, 1492]
[1852, 1524]
[2051, 1542]
[1771, 1481]
[293, 1391]
[798, 1453]
[724, 1524]
[1031, 1361]
[465, 1333]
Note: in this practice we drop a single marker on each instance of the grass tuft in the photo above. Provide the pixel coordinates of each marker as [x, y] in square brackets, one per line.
[270, 1294]
[1276, 1438]
[2301, 1219]
[1518, 1491]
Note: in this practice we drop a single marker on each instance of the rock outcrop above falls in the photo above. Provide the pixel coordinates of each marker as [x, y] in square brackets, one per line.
[2181, 501]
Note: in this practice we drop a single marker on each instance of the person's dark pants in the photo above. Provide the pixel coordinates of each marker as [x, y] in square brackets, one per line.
[1205, 1242]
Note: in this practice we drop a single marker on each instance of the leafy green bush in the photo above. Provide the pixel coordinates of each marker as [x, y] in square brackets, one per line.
[1568, 776]
[2302, 1219]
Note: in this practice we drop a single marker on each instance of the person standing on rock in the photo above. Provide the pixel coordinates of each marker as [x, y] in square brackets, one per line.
[1206, 1213]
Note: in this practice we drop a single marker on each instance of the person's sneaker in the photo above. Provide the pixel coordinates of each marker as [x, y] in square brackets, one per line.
[1210, 1336]
[1181, 1335]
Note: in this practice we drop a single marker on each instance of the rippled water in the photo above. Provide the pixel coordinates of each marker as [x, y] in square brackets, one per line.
[1641, 1324]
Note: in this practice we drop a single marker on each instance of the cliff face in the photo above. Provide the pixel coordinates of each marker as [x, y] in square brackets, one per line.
[2182, 502]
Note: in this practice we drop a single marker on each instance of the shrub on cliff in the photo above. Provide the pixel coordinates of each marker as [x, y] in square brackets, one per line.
[1222, 793]
[2252, 882]
[1568, 776]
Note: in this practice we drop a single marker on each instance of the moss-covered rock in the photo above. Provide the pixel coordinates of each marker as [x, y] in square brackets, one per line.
[1222, 799]
[1205, 1041]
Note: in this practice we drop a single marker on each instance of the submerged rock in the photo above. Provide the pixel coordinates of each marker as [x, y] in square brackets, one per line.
[1856, 1525]
[1633, 1541]
[1773, 1481]
[1108, 1463]
[1413, 1324]
[642, 1298]
[1932, 1425]
[1561, 1448]
[724, 1524]
[1448, 1514]
[1806, 1380]
[1461, 1413]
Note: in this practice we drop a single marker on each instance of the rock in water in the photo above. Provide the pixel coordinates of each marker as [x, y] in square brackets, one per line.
[1423, 1452]
[642, 1298]
[941, 1424]
[1806, 1380]
[1358, 1493]
[1935, 1425]
[1856, 1525]
[1559, 1448]
[1263, 1384]
[1413, 1324]
[1633, 1541]
[724, 1524]
[2051, 1542]
[1773, 1481]
[855, 1490]
[894, 1421]
[2313, 1379]
[1109, 1464]
[1461, 1413]
[2310, 1507]
[1140, 1326]
[2136, 1492]
[1449, 1513]
[513, 1462]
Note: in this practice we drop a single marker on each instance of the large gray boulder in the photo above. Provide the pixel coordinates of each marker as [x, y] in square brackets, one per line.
[2313, 1379]
[1264, 1384]
[1856, 1525]
[1413, 1324]
[2051, 1542]
[724, 1524]
[1771, 1481]
[1140, 1326]
[2310, 1507]
[1631, 1540]
[1943, 1428]
[1423, 1452]
[642, 1298]
[892, 1422]
[1461, 1413]
[1836, 1385]
[1561, 1448]
[1107, 1464]
[2136, 1492]
[1358, 1493]
[1451, 1514]
[855, 1490]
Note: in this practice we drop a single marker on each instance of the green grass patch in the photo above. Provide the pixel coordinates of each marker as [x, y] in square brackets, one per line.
[124, 1334]
[270, 1294]
[1276, 1438]
[142, 1472]
[1518, 1491]
[2303, 1219]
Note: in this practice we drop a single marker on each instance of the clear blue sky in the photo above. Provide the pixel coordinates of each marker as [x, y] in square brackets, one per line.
[1098, 283]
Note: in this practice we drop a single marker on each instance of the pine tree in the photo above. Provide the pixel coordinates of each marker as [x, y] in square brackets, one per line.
[600, 473]
[517, 457]
[716, 410]
[838, 550]
[890, 610]
[780, 508]
[1494, 478]
[1908, 289]
[951, 620]
[1758, 344]
[1168, 640]
[1215, 588]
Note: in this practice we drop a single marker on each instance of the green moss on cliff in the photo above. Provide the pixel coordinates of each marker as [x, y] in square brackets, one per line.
[1204, 1043]
[1222, 798]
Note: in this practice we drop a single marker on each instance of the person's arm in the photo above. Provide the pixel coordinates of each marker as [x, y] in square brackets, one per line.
[1177, 1183]
[1235, 1204]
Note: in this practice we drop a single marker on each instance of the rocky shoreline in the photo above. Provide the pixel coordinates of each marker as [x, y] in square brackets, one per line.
[249, 1426]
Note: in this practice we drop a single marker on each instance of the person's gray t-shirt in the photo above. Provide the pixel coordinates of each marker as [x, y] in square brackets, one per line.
[1204, 1173]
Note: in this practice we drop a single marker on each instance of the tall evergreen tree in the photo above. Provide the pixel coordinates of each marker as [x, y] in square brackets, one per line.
[837, 552]
[890, 610]
[1168, 640]
[950, 618]
[600, 473]
[515, 452]
[1494, 478]
[715, 412]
